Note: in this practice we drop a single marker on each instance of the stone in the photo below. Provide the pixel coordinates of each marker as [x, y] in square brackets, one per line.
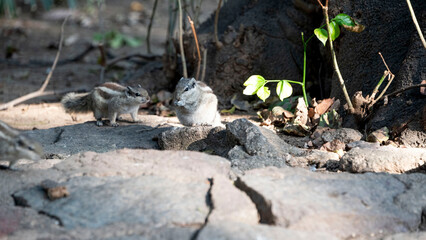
[341, 204]
[230, 204]
[313, 157]
[198, 138]
[363, 144]
[139, 200]
[240, 231]
[261, 147]
[68, 140]
[380, 135]
[345, 135]
[384, 159]
[253, 162]
[406, 236]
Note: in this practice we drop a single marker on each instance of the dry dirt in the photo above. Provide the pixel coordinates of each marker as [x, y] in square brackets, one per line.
[32, 35]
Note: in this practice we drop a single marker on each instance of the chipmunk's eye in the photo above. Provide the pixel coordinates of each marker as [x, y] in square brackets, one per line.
[21, 142]
[186, 89]
[30, 148]
[137, 94]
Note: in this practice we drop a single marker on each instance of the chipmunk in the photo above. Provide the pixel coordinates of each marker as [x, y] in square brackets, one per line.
[196, 104]
[108, 100]
[15, 146]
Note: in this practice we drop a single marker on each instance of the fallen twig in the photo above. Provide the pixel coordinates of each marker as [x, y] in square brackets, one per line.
[127, 57]
[39, 92]
[151, 20]
[198, 48]
[182, 50]
[403, 90]
[42, 63]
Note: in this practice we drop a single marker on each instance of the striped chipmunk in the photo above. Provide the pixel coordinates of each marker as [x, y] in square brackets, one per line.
[108, 100]
[195, 103]
[15, 146]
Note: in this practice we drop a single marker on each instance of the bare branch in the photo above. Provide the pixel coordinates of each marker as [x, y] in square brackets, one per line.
[182, 51]
[216, 20]
[151, 20]
[203, 73]
[39, 92]
[384, 62]
[198, 48]
[413, 16]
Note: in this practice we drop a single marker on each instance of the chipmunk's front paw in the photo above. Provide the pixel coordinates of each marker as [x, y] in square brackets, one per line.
[114, 124]
[99, 123]
[201, 124]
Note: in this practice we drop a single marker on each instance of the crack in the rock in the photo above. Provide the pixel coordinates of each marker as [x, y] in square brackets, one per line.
[56, 218]
[407, 187]
[209, 203]
[422, 225]
[58, 136]
[22, 202]
[263, 206]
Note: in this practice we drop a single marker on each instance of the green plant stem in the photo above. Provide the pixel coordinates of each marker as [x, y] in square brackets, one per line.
[304, 72]
[290, 81]
[313, 35]
[376, 89]
[336, 66]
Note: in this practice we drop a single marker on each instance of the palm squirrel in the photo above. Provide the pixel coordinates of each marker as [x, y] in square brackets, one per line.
[196, 104]
[108, 100]
[15, 146]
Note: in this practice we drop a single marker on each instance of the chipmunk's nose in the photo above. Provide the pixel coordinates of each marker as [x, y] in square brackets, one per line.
[178, 102]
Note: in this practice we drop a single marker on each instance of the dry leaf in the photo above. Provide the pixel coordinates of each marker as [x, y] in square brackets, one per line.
[324, 105]
[381, 135]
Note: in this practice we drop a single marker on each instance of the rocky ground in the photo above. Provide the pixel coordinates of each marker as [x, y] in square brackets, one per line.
[138, 181]
[159, 180]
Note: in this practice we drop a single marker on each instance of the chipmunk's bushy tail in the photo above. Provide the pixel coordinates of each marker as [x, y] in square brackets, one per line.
[76, 102]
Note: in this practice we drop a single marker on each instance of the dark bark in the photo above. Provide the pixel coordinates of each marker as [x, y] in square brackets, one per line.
[263, 37]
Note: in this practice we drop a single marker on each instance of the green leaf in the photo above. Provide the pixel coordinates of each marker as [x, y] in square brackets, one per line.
[255, 80]
[117, 41]
[250, 90]
[253, 84]
[344, 20]
[98, 37]
[321, 34]
[334, 30]
[131, 41]
[284, 89]
[330, 119]
[263, 93]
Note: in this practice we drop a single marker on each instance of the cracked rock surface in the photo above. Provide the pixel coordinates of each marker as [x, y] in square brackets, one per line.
[151, 194]
[122, 192]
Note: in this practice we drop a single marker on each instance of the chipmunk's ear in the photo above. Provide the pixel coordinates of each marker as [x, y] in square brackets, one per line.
[139, 86]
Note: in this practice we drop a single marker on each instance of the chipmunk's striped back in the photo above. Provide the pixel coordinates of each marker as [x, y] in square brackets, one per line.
[108, 100]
